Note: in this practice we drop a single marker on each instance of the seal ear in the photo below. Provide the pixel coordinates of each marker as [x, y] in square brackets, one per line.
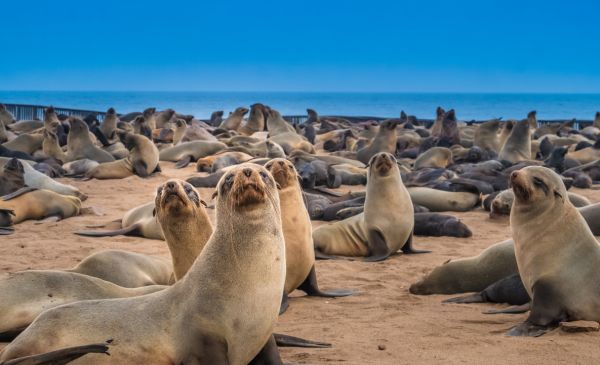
[203, 203]
[154, 212]
[214, 195]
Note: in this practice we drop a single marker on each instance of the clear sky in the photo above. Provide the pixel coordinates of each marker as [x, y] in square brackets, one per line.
[304, 45]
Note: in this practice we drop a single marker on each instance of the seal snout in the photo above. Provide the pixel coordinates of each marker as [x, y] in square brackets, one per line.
[519, 185]
[248, 185]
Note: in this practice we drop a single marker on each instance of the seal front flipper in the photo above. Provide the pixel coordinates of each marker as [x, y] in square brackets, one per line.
[408, 248]
[471, 298]
[139, 168]
[269, 355]
[546, 312]
[210, 350]
[508, 290]
[378, 249]
[311, 287]
[62, 356]
[183, 162]
[291, 341]
[284, 304]
[5, 231]
[132, 230]
[515, 309]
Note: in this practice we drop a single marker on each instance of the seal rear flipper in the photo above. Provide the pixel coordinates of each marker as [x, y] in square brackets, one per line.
[471, 298]
[139, 168]
[291, 341]
[269, 355]
[546, 311]
[5, 231]
[408, 248]
[133, 230]
[285, 303]
[515, 309]
[183, 162]
[18, 193]
[320, 255]
[311, 287]
[62, 356]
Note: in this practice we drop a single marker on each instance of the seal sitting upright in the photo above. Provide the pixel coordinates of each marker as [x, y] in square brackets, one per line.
[222, 311]
[385, 226]
[557, 254]
[297, 231]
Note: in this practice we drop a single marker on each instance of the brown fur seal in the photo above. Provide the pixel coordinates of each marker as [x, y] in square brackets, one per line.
[297, 231]
[126, 269]
[148, 119]
[292, 141]
[12, 177]
[470, 274]
[517, 147]
[186, 152]
[442, 201]
[436, 128]
[28, 143]
[234, 120]
[220, 160]
[486, 136]
[26, 294]
[256, 120]
[435, 157]
[139, 221]
[385, 226]
[184, 222]
[276, 124]
[108, 127]
[51, 147]
[164, 118]
[6, 117]
[384, 141]
[40, 204]
[228, 306]
[557, 254]
[142, 160]
[80, 145]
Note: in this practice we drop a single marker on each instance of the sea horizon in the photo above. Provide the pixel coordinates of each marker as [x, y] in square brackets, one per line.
[468, 105]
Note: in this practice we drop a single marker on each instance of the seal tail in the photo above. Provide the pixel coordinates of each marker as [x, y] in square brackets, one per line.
[291, 341]
[62, 356]
[133, 230]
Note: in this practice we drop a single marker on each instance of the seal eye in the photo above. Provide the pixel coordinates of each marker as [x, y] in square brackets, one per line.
[540, 184]
[159, 190]
[229, 180]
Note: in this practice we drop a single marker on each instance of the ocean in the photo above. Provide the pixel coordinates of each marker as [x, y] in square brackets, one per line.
[468, 106]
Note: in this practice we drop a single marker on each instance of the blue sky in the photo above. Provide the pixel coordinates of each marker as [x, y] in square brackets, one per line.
[387, 46]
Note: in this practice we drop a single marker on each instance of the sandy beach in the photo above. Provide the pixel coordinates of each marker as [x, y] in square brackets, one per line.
[381, 324]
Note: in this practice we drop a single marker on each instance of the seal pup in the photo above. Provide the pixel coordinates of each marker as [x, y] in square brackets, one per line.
[385, 226]
[141, 161]
[80, 145]
[517, 147]
[435, 157]
[297, 232]
[442, 201]
[184, 222]
[234, 120]
[557, 254]
[228, 306]
[139, 221]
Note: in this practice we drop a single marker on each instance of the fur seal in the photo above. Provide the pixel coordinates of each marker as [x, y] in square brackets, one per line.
[79, 168]
[80, 145]
[126, 269]
[51, 147]
[26, 294]
[433, 224]
[486, 136]
[557, 254]
[436, 157]
[40, 204]
[26, 143]
[228, 306]
[6, 116]
[442, 201]
[142, 160]
[184, 223]
[222, 159]
[256, 120]
[108, 127]
[276, 124]
[471, 274]
[386, 225]
[436, 128]
[164, 118]
[186, 152]
[384, 141]
[234, 120]
[517, 147]
[139, 221]
[12, 177]
[297, 232]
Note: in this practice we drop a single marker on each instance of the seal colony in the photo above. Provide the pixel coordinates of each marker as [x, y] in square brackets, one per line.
[380, 184]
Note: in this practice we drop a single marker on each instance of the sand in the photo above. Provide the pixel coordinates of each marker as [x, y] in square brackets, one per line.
[381, 324]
